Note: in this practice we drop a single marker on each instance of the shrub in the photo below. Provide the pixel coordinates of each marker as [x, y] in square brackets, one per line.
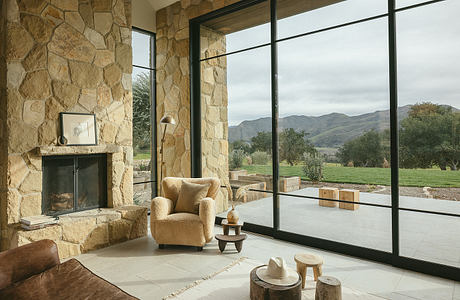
[313, 166]
[235, 159]
[260, 158]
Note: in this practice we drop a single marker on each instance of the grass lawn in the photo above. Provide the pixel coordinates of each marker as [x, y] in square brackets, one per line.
[142, 155]
[381, 176]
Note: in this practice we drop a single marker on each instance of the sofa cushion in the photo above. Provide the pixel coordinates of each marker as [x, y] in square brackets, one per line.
[69, 280]
[22, 262]
[190, 196]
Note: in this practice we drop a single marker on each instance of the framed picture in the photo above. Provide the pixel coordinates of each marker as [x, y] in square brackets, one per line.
[78, 129]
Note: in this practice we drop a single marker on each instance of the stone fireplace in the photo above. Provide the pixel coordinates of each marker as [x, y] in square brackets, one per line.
[73, 183]
[66, 56]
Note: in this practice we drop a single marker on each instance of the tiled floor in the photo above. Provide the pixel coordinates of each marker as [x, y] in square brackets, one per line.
[145, 271]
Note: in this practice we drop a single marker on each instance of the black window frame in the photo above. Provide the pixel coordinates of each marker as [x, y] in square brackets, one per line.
[153, 116]
[393, 258]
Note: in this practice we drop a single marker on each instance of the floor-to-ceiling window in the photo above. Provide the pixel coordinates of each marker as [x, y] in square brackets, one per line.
[334, 122]
[428, 43]
[144, 147]
[363, 105]
[235, 81]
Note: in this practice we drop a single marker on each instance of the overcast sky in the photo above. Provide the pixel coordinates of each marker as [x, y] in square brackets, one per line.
[346, 70]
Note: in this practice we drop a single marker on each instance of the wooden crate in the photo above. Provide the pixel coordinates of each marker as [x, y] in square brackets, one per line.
[329, 193]
[349, 195]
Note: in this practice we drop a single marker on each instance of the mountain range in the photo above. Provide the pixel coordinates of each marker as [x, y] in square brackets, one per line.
[331, 130]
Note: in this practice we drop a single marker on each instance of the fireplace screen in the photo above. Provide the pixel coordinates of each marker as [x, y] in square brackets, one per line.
[73, 183]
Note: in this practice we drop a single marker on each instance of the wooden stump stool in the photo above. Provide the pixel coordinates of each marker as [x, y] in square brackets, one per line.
[328, 288]
[261, 290]
[328, 193]
[305, 260]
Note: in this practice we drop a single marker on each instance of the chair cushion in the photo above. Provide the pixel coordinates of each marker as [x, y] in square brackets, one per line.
[69, 280]
[180, 229]
[190, 196]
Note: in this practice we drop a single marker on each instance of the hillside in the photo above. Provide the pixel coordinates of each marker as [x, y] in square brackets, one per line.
[330, 130]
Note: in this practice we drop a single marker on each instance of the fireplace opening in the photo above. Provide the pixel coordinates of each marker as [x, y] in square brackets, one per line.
[74, 183]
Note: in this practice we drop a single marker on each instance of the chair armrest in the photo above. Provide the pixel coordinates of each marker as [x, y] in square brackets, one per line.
[207, 213]
[160, 208]
[25, 261]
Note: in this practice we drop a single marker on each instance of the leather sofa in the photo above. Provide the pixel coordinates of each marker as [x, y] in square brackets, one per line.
[172, 228]
[33, 271]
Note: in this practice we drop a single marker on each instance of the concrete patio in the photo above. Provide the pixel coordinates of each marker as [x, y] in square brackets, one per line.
[423, 236]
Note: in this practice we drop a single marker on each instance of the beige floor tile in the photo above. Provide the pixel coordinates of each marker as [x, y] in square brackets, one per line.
[145, 271]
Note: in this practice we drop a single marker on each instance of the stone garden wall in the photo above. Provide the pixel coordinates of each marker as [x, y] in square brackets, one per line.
[62, 56]
[173, 93]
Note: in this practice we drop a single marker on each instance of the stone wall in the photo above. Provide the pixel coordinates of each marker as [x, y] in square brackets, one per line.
[214, 112]
[3, 144]
[64, 56]
[173, 86]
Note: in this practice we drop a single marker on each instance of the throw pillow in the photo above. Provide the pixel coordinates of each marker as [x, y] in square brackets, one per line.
[190, 196]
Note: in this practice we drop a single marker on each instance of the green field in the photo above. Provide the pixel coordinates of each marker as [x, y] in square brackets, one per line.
[380, 176]
[142, 155]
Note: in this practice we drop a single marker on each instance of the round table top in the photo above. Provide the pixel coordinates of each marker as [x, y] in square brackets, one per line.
[308, 259]
[231, 238]
[225, 222]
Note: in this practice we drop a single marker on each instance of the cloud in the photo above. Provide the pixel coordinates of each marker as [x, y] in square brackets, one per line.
[345, 70]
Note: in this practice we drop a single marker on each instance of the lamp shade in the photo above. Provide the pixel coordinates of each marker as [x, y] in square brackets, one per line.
[168, 120]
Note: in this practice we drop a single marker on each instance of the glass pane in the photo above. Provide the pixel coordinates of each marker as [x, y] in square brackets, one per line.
[236, 91]
[245, 28]
[142, 189]
[430, 237]
[334, 134]
[91, 182]
[141, 128]
[429, 137]
[296, 17]
[141, 49]
[405, 3]
[58, 185]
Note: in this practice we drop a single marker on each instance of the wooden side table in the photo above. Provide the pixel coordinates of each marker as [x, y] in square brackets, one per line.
[226, 226]
[236, 238]
[305, 260]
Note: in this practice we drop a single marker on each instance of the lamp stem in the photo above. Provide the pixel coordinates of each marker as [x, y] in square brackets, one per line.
[162, 157]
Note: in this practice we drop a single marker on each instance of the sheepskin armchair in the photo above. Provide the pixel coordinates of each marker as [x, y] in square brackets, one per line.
[182, 228]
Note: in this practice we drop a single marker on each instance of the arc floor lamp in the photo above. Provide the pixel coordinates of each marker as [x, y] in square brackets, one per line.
[166, 120]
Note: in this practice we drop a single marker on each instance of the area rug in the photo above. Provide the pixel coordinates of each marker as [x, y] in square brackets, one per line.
[232, 283]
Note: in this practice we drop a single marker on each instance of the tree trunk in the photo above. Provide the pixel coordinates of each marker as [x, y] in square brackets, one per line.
[328, 288]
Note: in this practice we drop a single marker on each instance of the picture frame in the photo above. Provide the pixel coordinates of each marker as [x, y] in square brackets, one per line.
[78, 129]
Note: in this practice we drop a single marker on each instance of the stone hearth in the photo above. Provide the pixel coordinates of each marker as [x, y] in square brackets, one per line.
[87, 230]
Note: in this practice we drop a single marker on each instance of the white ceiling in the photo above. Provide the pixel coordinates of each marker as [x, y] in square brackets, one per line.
[159, 4]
